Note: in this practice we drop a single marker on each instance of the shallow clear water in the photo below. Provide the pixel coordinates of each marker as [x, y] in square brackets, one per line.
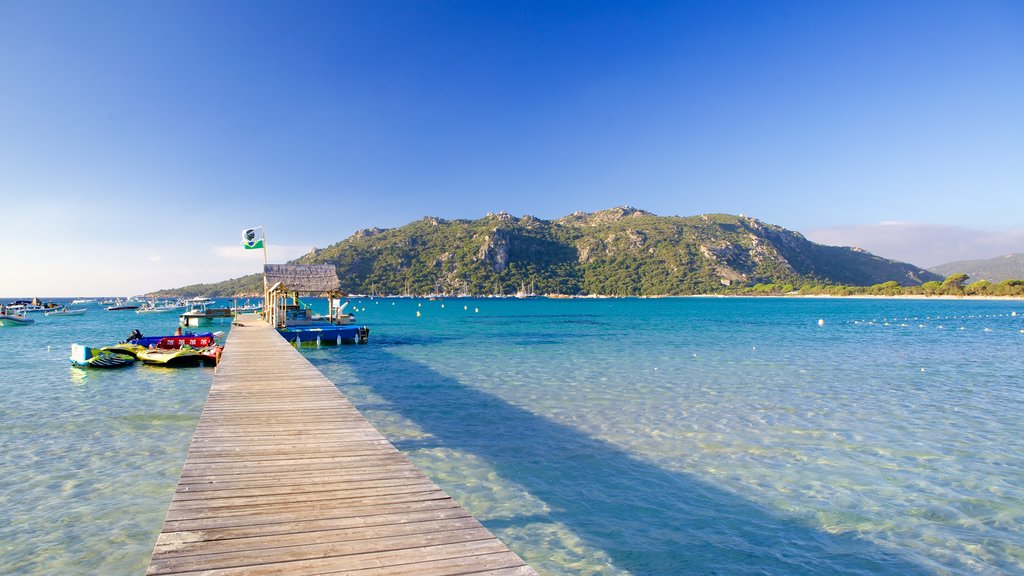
[673, 436]
[89, 458]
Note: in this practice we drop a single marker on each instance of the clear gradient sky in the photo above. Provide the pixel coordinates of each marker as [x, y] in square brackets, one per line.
[137, 139]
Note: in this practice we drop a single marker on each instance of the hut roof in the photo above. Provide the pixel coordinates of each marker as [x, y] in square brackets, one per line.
[302, 277]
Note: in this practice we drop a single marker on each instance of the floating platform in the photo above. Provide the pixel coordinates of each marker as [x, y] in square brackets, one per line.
[204, 317]
[325, 334]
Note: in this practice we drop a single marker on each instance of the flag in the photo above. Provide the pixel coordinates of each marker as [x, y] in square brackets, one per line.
[252, 238]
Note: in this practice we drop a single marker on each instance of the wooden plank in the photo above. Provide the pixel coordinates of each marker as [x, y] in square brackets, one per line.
[311, 525]
[253, 520]
[284, 476]
[403, 555]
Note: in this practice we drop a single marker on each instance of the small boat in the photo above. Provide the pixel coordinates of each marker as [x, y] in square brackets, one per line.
[248, 307]
[23, 307]
[83, 301]
[90, 357]
[136, 342]
[174, 341]
[117, 307]
[174, 358]
[9, 319]
[158, 307]
[67, 312]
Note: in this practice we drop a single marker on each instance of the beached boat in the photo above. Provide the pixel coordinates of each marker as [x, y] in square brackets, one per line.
[67, 312]
[86, 356]
[8, 320]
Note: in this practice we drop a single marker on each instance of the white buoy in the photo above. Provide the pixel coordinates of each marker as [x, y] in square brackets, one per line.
[465, 307]
[476, 309]
[821, 321]
[417, 313]
[442, 305]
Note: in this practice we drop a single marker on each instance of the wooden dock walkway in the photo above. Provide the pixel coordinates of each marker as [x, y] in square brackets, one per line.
[284, 476]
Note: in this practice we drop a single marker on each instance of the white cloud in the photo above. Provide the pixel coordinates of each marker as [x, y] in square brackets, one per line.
[922, 244]
[154, 258]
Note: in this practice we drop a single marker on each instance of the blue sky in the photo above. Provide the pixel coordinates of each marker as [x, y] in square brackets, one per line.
[137, 139]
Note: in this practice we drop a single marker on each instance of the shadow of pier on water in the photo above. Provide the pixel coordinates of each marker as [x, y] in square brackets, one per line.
[591, 487]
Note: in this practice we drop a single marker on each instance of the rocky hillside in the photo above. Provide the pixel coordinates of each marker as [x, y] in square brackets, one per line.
[621, 251]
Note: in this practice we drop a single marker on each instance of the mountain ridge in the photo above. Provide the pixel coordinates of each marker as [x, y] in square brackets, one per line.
[998, 269]
[622, 251]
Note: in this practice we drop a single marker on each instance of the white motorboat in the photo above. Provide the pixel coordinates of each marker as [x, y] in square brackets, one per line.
[67, 312]
[7, 320]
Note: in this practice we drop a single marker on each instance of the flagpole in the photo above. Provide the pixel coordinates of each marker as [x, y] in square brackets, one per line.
[264, 231]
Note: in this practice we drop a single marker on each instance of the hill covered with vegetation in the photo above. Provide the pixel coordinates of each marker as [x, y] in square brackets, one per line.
[1008, 267]
[620, 252]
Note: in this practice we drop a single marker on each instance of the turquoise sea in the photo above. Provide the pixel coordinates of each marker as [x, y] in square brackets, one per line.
[606, 436]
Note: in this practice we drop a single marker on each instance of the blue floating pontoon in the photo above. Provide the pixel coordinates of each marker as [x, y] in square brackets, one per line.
[325, 334]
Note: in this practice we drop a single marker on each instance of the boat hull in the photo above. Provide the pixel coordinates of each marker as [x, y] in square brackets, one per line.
[171, 358]
[125, 349]
[67, 312]
[9, 320]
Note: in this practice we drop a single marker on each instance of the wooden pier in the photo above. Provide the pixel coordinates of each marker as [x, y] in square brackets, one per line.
[284, 476]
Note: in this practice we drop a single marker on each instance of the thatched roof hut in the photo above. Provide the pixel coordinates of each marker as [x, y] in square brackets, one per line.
[304, 278]
[282, 282]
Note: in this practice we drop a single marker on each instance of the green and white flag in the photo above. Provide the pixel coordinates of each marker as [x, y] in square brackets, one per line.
[252, 238]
